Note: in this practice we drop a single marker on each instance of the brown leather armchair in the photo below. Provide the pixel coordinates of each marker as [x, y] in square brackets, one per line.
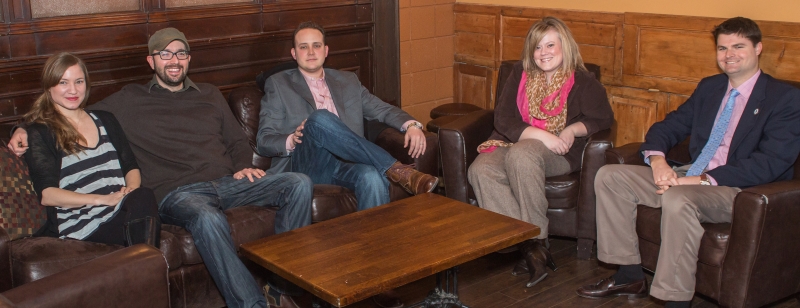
[749, 262]
[132, 277]
[571, 197]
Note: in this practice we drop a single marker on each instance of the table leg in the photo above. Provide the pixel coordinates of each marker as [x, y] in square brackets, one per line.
[446, 292]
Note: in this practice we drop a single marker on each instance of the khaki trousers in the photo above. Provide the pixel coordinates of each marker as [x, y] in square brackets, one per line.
[510, 181]
[620, 188]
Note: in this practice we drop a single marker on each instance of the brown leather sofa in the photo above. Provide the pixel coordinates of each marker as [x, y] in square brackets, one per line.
[190, 284]
[571, 197]
[132, 277]
[749, 262]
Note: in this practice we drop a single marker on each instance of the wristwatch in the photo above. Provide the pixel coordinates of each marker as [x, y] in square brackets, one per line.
[414, 124]
[704, 179]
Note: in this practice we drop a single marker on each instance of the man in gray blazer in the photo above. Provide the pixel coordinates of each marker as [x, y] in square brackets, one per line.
[312, 121]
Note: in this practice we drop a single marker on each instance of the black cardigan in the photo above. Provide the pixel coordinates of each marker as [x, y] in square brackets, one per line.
[44, 159]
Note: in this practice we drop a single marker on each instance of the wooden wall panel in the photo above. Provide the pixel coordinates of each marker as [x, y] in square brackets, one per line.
[230, 44]
[780, 57]
[665, 54]
[183, 3]
[49, 8]
[635, 110]
[475, 48]
[474, 23]
[477, 84]
[52, 42]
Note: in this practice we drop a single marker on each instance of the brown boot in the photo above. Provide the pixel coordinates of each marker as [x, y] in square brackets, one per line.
[413, 181]
[536, 257]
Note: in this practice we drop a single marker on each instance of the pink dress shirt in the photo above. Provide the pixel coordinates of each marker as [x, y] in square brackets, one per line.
[721, 155]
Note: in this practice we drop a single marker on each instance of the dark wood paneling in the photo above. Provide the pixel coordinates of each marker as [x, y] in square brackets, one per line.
[5, 47]
[230, 44]
[387, 49]
[89, 39]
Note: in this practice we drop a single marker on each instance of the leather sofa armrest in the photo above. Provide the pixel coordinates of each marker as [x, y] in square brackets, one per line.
[459, 141]
[245, 103]
[5, 303]
[5, 261]
[392, 141]
[764, 236]
[626, 154]
[135, 276]
[593, 159]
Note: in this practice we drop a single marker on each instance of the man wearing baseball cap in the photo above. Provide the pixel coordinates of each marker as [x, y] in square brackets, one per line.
[196, 158]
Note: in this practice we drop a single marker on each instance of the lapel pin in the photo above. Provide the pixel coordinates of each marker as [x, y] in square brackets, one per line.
[755, 111]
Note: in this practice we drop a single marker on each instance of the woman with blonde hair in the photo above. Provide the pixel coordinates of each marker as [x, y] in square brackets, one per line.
[548, 107]
[81, 165]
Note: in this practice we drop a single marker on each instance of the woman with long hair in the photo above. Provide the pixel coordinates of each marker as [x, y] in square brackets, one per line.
[548, 107]
[81, 165]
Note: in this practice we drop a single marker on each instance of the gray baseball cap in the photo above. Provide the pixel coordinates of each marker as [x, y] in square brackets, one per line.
[162, 38]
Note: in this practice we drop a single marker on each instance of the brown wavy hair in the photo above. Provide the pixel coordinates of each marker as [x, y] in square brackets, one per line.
[44, 109]
[569, 48]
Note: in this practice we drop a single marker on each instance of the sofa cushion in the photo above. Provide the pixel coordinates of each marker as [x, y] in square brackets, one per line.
[332, 201]
[185, 245]
[562, 191]
[21, 214]
[38, 257]
[249, 223]
[713, 244]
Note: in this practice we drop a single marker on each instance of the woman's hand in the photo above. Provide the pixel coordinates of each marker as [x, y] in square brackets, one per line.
[552, 142]
[568, 136]
[110, 199]
[126, 190]
[555, 143]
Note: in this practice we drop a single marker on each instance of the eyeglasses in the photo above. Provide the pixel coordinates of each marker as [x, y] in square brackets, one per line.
[167, 55]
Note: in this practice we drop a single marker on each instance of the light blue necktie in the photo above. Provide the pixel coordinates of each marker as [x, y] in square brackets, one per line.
[717, 133]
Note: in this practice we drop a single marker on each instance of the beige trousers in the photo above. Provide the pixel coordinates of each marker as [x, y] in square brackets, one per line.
[510, 181]
[620, 188]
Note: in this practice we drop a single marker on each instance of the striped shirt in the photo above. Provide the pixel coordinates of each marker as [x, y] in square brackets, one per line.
[92, 171]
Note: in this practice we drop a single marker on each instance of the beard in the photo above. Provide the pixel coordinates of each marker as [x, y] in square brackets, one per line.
[169, 80]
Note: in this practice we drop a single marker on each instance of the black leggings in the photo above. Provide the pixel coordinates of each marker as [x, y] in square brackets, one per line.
[137, 205]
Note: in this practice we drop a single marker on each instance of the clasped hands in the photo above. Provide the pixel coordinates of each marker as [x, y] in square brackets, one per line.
[665, 177]
[558, 144]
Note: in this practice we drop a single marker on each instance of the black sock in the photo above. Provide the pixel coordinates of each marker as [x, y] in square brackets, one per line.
[685, 304]
[628, 273]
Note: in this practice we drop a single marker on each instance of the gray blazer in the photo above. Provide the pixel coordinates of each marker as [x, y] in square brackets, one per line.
[288, 101]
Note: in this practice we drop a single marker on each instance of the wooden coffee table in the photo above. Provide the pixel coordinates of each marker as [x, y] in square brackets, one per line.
[350, 258]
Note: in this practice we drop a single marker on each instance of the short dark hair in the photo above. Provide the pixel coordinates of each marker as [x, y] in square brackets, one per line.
[307, 25]
[741, 26]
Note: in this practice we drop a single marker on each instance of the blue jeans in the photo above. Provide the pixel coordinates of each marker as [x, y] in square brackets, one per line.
[331, 153]
[198, 208]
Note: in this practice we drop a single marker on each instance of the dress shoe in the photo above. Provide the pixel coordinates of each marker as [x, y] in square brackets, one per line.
[388, 299]
[279, 300]
[535, 256]
[413, 181]
[607, 287]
